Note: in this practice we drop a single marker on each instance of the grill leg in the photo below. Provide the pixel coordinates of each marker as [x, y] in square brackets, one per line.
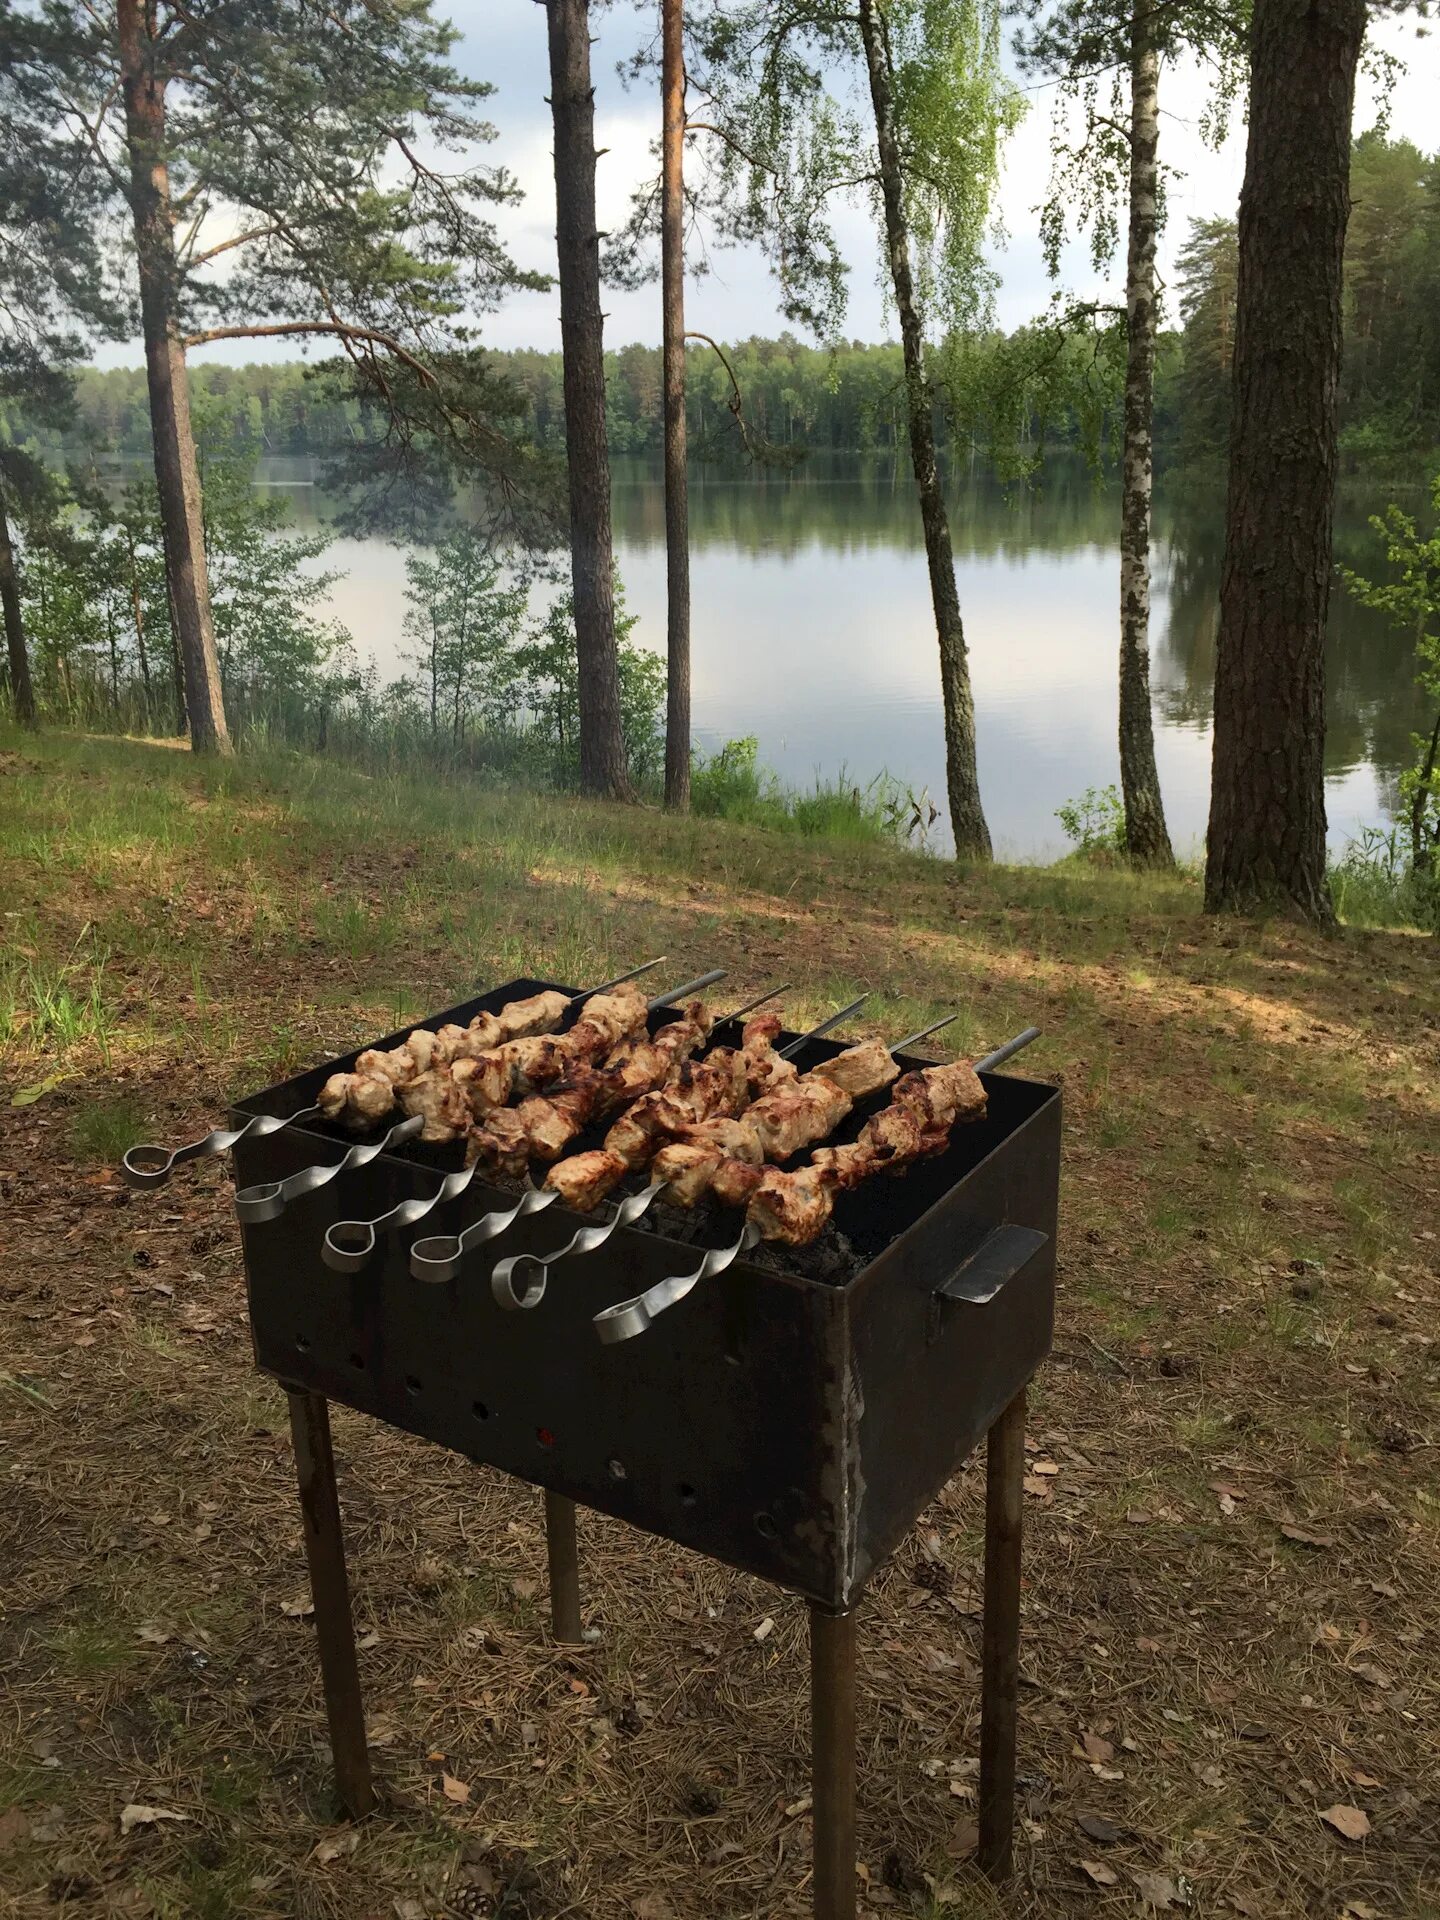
[832, 1737]
[563, 1554]
[325, 1551]
[1000, 1685]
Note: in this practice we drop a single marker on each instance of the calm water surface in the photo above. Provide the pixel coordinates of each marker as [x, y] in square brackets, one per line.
[813, 631]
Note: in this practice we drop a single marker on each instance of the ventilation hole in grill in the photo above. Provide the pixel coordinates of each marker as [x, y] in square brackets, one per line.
[357, 1360]
[687, 1493]
[302, 1345]
[480, 1410]
[766, 1527]
[545, 1436]
[617, 1469]
[412, 1385]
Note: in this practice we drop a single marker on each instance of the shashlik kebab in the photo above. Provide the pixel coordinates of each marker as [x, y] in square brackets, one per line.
[930, 1093]
[775, 1126]
[438, 1258]
[348, 1244]
[150, 1166]
[451, 1076]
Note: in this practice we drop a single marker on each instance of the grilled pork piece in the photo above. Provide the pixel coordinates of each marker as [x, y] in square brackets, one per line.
[523, 1057]
[724, 1082]
[542, 1126]
[796, 1207]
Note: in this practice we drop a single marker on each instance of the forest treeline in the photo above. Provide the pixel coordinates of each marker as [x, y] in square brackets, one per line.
[851, 397]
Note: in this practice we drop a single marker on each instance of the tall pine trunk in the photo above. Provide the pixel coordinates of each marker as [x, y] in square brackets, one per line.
[572, 104]
[177, 473]
[22, 692]
[677, 493]
[967, 817]
[1266, 844]
[1145, 834]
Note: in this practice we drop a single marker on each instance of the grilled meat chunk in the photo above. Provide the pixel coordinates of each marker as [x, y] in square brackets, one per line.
[860, 1070]
[356, 1099]
[791, 1207]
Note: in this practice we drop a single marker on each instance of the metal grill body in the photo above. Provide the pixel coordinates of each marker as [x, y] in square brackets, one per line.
[789, 1426]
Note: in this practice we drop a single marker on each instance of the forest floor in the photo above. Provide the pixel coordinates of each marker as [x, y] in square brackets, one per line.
[1231, 1699]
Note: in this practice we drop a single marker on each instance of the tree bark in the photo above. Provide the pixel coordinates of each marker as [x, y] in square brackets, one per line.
[677, 485]
[22, 692]
[967, 817]
[572, 104]
[177, 474]
[1266, 843]
[1146, 837]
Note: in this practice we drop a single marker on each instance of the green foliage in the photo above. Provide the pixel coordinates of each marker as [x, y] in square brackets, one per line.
[1095, 824]
[1374, 883]
[1410, 600]
[465, 627]
[730, 784]
[780, 83]
[549, 684]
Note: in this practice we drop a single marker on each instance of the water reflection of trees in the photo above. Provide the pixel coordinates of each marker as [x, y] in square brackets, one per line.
[1373, 705]
[845, 503]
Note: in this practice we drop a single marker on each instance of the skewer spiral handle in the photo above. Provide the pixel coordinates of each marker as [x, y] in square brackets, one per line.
[534, 1268]
[146, 1167]
[269, 1199]
[438, 1257]
[629, 1317]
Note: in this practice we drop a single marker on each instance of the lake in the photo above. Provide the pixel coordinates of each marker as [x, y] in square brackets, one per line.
[812, 630]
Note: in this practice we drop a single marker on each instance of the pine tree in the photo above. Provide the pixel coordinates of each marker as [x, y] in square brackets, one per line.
[307, 146]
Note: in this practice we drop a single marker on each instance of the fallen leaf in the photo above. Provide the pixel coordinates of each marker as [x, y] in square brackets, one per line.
[27, 1096]
[1040, 1489]
[1095, 1747]
[653, 1906]
[14, 1825]
[367, 1641]
[1305, 1538]
[302, 1608]
[1046, 1467]
[524, 1589]
[1098, 1828]
[1349, 1821]
[454, 1789]
[1155, 1889]
[134, 1815]
[1363, 1779]
[337, 1846]
[1102, 1875]
[1360, 1910]
[203, 1531]
[797, 1807]
[153, 1634]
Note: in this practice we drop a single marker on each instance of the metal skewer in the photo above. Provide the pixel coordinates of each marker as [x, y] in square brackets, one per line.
[437, 1258]
[629, 1317]
[269, 1199]
[628, 1211]
[348, 1244]
[151, 1166]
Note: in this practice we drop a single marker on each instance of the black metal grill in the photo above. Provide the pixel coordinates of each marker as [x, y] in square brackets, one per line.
[785, 1424]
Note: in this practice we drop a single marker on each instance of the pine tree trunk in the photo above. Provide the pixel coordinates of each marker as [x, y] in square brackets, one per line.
[967, 817]
[177, 474]
[572, 104]
[22, 692]
[1266, 844]
[1145, 836]
[677, 494]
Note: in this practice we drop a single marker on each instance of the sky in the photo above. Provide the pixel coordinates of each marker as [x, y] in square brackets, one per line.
[503, 41]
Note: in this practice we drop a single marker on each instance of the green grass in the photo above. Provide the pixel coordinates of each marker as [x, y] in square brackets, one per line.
[104, 1129]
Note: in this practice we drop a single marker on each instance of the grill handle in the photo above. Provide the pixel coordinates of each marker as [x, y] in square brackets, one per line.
[1003, 1253]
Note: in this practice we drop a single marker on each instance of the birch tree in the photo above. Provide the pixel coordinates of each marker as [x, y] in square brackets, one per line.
[1109, 58]
[904, 104]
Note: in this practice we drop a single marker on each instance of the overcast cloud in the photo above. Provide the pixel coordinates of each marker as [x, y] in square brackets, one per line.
[504, 42]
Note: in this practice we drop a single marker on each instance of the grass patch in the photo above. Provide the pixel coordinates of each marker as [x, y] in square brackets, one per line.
[105, 1129]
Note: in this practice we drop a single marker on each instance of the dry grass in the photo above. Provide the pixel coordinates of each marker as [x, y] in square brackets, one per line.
[1247, 1344]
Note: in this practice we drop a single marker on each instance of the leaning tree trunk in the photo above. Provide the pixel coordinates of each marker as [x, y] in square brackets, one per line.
[1145, 836]
[572, 104]
[1266, 844]
[177, 473]
[967, 817]
[22, 692]
[677, 486]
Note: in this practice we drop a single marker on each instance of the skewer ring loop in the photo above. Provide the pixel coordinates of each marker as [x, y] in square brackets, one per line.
[434, 1259]
[348, 1245]
[527, 1294]
[146, 1167]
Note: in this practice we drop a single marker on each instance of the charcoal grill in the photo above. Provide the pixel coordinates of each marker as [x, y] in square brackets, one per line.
[790, 1426]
